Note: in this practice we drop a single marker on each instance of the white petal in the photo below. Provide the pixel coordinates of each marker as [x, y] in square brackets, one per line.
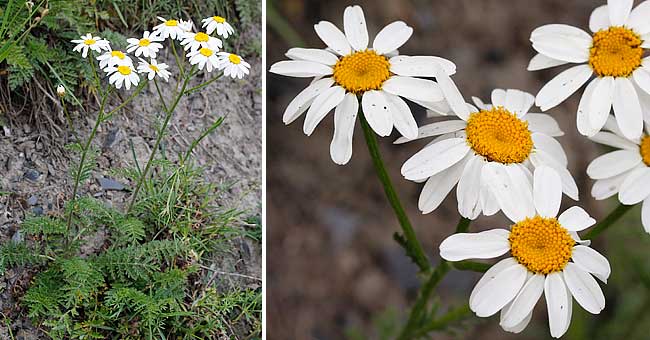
[484, 245]
[304, 99]
[608, 187]
[511, 189]
[469, 185]
[575, 219]
[489, 203]
[480, 104]
[635, 188]
[569, 186]
[638, 20]
[518, 328]
[435, 158]
[312, 54]
[524, 302]
[452, 94]
[557, 304]
[498, 97]
[627, 109]
[584, 288]
[550, 146]
[300, 68]
[490, 274]
[591, 261]
[547, 191]
[323, 104]
[519, 102]
[645, 215]
[599, 19]
[499, 291]
[420, 66]
[541, 62]
[377, 113]
[439, 186]
[413, 88]
[563, 30]
[601, 102]
[613, 163]
[619, 11]
[613, 140]
[562, 47]
[562, 86]
[402, 117]
[345, 117]
[391, 37]
[543, 123]
[333, 37]
[583, 120]
[354, 25]
[435, 129]
[642, 78]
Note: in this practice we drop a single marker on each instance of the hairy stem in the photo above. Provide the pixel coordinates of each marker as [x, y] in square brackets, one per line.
[413, 247]
[609, 220]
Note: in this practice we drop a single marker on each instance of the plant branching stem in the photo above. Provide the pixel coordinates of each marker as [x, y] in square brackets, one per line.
[413, 247]
[608, 221]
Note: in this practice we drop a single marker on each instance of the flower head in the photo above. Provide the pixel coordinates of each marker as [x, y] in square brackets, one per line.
[112, 58]
[171, 28]
[60, 90]
[89, 42]
[502, 134]
[153, 68]
[123, 75]
[233, 65]
[204, 57]
[547, 257]
[147, 46]
[219, 24]
[194, 41]
[613, 53]
[348, 69]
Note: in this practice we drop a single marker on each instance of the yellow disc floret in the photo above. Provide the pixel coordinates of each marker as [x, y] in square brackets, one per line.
[125, 70]
[171, 23]
[206, 51]
[89, 41]
[154, 68]
[218, 19]
[201, 37]
[615, 52]
[541, 244]
[235, 59]
[144, 42]
[644, 148]
[117, 54]
[362, 71]
[499, 136]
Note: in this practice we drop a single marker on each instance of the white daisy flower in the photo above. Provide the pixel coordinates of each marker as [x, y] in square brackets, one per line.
[186, 26]
[204, 57]
[148, 46]
[112, 58]
[613, 53]
[503, 134]
[153, 69]
[233, 65]
[625, 171]
[169, 29]
[123, 74]
[348, 70]
[87, 42]
[218, 23]
[194, 41]
[547, 257]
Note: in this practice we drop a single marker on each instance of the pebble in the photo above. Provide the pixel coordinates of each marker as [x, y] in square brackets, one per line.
[38, 211]
[17, 237]
[32, 175]
[109, 184]
[32, 200]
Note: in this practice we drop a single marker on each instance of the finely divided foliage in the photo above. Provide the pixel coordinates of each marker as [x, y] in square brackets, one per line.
[499, 156]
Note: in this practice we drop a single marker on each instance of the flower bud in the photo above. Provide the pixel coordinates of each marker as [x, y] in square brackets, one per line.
[60, 90]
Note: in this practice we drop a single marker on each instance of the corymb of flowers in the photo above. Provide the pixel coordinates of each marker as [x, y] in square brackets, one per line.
[614, 53]
[502, 134]
[349, 70]
[118, 65]
[547, 256]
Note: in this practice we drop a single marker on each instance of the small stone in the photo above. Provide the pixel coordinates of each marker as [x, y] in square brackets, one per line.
[32, 175]
[32, 200]
[109, 184]
[17, 237]
[112, 137]
[38, 211]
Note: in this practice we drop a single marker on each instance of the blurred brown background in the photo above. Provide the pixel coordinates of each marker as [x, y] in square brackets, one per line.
[333, 269]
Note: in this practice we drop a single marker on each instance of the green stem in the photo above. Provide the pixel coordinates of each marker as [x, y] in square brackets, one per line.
[169, 112]
[441, 323]
[178, 62]
[436, 276]
[413, 247]
[162, 99]
[69, 119]
[608, 221]
[471, 266]
[137, 91]
[198, 87]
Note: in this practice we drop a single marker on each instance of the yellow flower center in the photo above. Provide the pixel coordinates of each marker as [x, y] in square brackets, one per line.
[206, 51]
[201, 37]
[218, 19]
[235, 59]
[615, 52]
[144, 42]
[541, 244]
[118, 54]
[125, 70]
[154, 68]
[89, 41]
[644, 148]
[171, 23]
[362, 71]
[499, 136]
